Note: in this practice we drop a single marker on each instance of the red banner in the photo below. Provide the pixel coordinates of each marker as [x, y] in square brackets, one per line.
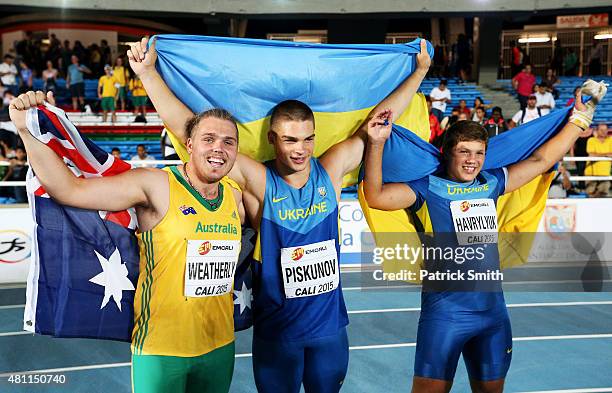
[576, 21]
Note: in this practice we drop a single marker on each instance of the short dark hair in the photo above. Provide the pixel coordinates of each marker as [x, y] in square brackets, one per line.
[217, 113]
[292, 110]
[444, 82]
[462, 131]
[141, 145]
[482, 108]
[8, 56]
[115, 149]
[496, 109]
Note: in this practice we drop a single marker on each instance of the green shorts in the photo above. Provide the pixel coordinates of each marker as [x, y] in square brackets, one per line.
[108, 103]
[139, 100]
[122, 93]
[208, 373]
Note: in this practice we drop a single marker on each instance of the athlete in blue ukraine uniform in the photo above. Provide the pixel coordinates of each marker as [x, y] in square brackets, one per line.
[459, 316]
[463, 318]
[299, 310]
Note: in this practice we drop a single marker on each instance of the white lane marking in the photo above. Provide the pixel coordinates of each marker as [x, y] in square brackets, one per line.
[354, 348]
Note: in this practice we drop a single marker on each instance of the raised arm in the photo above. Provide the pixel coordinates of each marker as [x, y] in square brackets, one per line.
[345, 156]
[400, 98]
[390, 196]
[553, 150]
[171, 110]
[114, 193]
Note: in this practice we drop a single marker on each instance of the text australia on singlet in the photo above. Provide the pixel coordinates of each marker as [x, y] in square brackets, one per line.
[210, 267]
[311, 269]
[475, 221]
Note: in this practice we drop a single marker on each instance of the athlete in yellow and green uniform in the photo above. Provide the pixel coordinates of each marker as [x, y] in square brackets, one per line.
[178, 339]
[189, 220]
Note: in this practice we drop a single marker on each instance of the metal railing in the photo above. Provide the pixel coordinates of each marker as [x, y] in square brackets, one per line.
[148, 163]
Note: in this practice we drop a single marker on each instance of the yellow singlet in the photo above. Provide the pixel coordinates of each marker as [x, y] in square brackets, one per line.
[166, 321]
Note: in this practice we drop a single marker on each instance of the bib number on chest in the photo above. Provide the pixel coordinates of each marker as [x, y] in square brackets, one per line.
[475, 221]
[310, 270]
[210, 267]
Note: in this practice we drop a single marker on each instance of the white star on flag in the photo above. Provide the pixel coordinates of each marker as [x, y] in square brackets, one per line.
[243, 297]
[113, 278]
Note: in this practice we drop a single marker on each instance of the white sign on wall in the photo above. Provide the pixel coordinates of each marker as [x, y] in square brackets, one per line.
[16, 227]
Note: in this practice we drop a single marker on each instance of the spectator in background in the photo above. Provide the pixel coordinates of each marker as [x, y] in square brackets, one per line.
[8, 151]
[440, 96]
[570, 101]
[463, 108]
[54, 41]
[515, 59]
[141, 154]
[570, 63]
[8, 74]
[595, 58]
[496, 124]
[54, 51]
[7, 97]
[462, 116]
[107, 93]
[561, 185]
[544, 100]
[76, 83]
[435, 131]
[464, 53]
[449, 120]
[557, 60]
[25, 74]
[550, 81]
[66, 55]
[480, 115]
[79, 51]
[17, 172]
[49, 76]
[580, 150]
[439, 61]
[95, 59]
[523, 84]
[106, 52]
[529, 113]
[116, 152]
[139, 96]
[599, 145]
[122, 76]
[478, 102]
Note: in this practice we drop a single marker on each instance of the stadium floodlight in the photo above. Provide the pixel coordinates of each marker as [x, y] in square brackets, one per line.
[604, 36]
[525, 40]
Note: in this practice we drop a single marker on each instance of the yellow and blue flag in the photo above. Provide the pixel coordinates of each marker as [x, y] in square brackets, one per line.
[342, 84]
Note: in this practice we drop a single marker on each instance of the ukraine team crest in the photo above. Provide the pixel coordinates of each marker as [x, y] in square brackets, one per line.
[322, 191]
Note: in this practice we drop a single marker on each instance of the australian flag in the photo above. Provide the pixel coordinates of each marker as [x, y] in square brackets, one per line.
[84, 267]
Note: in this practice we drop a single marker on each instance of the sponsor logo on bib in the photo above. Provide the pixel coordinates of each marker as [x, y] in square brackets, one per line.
[204, 248]
[297, 254]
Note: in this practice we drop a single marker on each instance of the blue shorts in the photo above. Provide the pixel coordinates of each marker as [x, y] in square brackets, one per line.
[282, 366]
[483, 337]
